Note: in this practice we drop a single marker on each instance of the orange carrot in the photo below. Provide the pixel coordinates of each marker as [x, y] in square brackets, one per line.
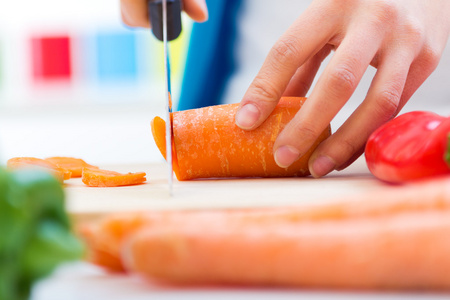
[109, 237]
[32, 162]
[207, 143]
[158, 126]
[75, 165]
[405, 251]
[105, 178]
[104, 239]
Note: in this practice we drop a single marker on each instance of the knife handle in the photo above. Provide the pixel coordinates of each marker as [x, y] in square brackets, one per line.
[155, 11]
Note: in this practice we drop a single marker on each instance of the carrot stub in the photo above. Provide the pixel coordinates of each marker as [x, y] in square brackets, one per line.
[106, 178]
[74, 165]
[32, 162]
[207, 143]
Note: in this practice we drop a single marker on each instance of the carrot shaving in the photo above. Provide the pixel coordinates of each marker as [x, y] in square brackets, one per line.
[32, 162]
[105, 178]
[74, 165]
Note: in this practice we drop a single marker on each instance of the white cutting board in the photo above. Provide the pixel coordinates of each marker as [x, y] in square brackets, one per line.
[88, 202]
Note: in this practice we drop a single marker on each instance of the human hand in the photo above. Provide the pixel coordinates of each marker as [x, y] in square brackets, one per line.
[135, 13]
[403, 39]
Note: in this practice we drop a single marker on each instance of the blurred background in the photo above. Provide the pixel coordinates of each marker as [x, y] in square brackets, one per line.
[74, 81]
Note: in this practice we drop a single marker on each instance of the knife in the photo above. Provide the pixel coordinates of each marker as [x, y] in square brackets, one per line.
[165, 18]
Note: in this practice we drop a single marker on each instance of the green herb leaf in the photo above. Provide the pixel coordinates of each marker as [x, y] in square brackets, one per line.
[35, 233]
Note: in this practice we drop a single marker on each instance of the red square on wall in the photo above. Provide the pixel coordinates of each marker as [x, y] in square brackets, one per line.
[51, 58]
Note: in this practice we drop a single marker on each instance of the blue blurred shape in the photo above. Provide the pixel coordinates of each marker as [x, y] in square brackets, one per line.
[211, 57]
[116, 54]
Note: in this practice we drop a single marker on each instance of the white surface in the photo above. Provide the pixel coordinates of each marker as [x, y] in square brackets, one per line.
[99, 135]
[216, 193]
[81, 281]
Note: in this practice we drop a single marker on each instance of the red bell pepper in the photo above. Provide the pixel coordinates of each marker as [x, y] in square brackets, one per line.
[412, 146]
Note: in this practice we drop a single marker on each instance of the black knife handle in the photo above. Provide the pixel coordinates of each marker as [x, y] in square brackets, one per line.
[155, 12]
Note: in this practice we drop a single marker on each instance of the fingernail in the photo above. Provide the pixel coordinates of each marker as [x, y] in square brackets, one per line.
[286, 155]
[203, 7]
[322, 166]
[247, 116]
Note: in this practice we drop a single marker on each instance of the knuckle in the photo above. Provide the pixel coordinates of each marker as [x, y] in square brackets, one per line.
[342, 80]
[414, 31]
[265, 89]
[285, 51]
[306, 131]
[385, 10]
[430, 57]
[387, 103]
[348, 147]
[340, 3]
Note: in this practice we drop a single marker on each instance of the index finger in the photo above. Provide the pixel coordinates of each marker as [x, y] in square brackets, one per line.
[305, 37]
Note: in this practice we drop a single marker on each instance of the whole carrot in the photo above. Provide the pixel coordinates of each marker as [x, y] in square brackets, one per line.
[207, 143]
[106, 238]
[404, 251]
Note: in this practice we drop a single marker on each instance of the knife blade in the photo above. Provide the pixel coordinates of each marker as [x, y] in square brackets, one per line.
[165, 17]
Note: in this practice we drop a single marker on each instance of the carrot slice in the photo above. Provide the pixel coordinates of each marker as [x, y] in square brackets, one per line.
[207, 143]
[105, 178]
[75, 165]
[32, 162]
[158, 126]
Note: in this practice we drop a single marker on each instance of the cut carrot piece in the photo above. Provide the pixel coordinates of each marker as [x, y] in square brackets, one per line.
[105, 178]
[158, 126]
[207, 143]
[75, 165]
[32, 162]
